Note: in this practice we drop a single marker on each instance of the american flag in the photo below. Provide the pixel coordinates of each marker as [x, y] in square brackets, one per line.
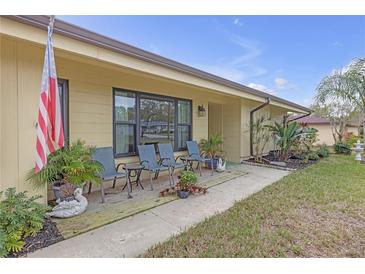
[50, 135]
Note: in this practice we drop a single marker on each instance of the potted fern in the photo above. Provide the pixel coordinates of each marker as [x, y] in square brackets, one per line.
[212, 148]
[67, 169]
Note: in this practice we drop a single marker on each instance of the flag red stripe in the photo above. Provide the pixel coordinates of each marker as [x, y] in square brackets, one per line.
[41, 152]
[50, 136]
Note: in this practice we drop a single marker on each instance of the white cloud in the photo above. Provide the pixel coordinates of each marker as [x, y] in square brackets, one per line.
[240, 67]
[262, 88]
[153, 48]
[337, 44]
[237, 22]
[251, 48]
[280, 83]
[307, 102]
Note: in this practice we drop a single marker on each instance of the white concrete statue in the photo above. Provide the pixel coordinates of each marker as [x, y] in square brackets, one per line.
[72, 208]
[221, 165]
[358, 150]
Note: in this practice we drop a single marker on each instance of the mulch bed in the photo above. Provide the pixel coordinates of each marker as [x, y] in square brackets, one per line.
[292, 163]
[48, 235]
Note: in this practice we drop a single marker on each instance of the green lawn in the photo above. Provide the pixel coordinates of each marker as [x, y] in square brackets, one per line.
[315, 212]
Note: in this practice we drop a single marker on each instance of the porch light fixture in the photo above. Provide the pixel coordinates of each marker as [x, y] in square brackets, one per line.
[201, 111]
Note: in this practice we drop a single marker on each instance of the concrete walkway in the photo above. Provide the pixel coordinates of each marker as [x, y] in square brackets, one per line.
[132, 236]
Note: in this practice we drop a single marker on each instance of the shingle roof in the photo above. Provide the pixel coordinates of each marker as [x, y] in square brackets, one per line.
[316, 120]
[313, 120]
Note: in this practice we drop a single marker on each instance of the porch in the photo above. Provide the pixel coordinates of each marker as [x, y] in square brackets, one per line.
[130, 236]
[117, 206]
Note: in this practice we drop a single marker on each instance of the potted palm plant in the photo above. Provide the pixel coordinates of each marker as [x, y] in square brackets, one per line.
[187, 179]
[67, 169]
[212, 148]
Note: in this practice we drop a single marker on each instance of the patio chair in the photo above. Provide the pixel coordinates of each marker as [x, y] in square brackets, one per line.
[196, 156]
[147, 157]
[167, 154]
[105, 156]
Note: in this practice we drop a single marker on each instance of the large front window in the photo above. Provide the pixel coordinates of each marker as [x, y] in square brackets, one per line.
[141, 118]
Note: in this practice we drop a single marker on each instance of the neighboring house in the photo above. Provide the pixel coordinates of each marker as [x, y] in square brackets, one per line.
[325, 135]
[103, 84]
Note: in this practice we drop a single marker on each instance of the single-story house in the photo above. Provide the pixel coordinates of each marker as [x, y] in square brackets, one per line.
[108, 89]
[323, 125]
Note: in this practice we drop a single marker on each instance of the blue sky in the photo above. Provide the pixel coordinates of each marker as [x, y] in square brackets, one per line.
[283, 55]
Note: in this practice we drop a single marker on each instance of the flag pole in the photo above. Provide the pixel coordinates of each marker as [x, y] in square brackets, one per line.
[51, 23]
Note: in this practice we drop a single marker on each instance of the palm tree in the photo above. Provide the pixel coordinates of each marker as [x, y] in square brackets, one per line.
[285, 137]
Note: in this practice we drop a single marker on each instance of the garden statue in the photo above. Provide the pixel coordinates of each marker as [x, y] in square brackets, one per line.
[221, 165]
[358, 150]
[66, 209]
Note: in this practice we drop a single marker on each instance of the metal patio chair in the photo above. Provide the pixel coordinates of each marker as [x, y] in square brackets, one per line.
[167, 154]
[196, 156]
[147, 157]
[105, 156]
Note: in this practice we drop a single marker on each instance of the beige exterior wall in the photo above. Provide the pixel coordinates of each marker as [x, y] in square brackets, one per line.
[90, 105]
[325, 135]
[353, 130]
[276, 114]
[215, 119]
[231, 130]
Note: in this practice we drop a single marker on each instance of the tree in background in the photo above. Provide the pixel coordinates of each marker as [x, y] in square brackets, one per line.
[337, 98]
[355, 72]
[337, 112]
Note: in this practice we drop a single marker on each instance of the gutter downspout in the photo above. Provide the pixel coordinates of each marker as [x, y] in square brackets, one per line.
[251, 122]
[299, 117]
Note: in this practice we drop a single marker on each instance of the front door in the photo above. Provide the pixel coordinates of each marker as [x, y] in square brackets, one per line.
[215, 119]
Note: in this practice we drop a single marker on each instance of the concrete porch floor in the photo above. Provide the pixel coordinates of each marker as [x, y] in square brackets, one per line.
[133, 235]
[117, 206]
[118, 196]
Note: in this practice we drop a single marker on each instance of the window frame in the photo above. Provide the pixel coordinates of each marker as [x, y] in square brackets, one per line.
[137, 125]
[116, 123]
[189, 125]
[65, 109]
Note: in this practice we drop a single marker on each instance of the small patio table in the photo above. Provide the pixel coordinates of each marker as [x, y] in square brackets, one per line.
[134, 171]
[188, 162]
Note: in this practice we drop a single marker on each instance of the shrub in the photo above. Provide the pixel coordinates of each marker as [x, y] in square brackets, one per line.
[187, 179]
[313, 156]
[353, 140]
[303, 145]
[19, 217]
[323, 151]
[71, 164]
[261, 135]
[342, 148]
[286, 137]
